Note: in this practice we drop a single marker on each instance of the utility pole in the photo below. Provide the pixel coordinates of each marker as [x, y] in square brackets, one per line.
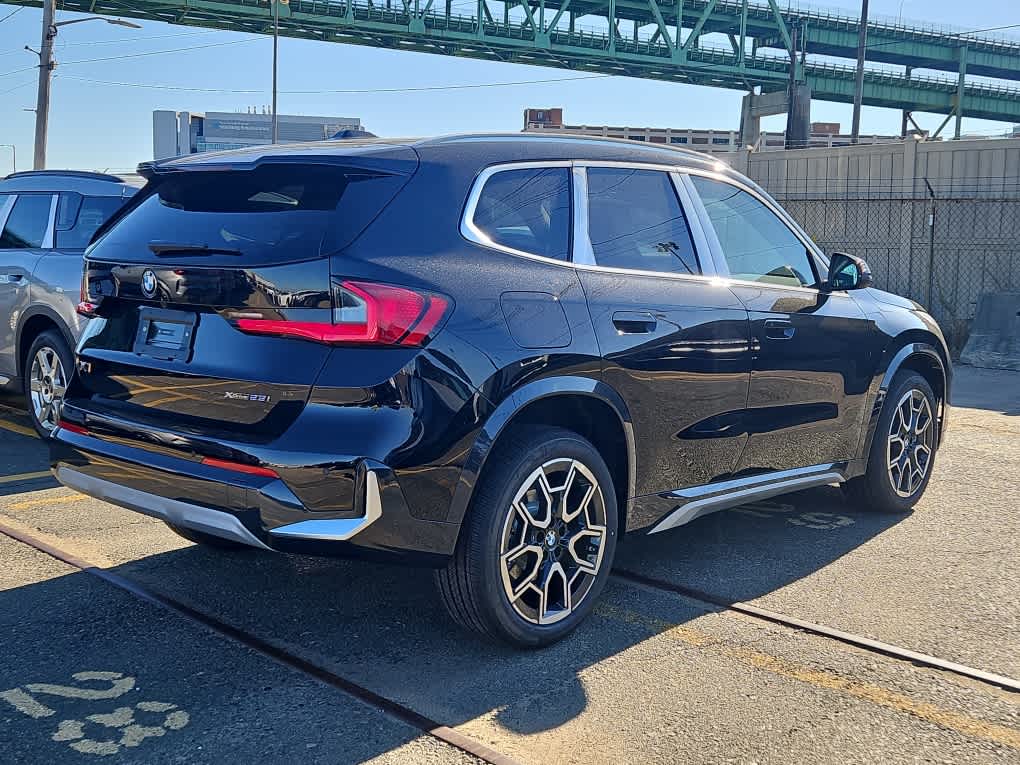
[42, 103]
[862, 43]
[276, 55]
[46, 67]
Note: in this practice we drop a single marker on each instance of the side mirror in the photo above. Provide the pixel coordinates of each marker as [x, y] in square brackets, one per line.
[848, 272]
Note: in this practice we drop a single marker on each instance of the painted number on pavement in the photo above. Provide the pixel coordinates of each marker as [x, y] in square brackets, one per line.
[811, 520]
[103, 733]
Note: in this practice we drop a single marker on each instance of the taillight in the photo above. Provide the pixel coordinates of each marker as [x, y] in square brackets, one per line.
[85, 305]
[365, 313]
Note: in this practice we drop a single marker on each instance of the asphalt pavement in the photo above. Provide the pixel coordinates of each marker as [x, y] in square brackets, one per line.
[654, 677]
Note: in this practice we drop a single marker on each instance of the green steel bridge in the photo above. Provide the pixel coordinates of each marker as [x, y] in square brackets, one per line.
[655, 39]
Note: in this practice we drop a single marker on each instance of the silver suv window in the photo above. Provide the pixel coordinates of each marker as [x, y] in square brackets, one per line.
[757, 245]
[635, 221]
[526, 210]
[27, 223]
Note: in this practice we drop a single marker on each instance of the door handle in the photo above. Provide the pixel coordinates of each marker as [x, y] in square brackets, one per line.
[779, 329]
[11, 278]
[634, 322]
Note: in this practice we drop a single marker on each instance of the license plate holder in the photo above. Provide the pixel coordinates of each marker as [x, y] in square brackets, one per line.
[165, 335]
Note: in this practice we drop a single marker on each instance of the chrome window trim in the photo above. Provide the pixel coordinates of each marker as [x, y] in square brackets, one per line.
[712, 273]
[472, 233]
[48, 238]
[779, 212]
[582, 254]
[5, 211]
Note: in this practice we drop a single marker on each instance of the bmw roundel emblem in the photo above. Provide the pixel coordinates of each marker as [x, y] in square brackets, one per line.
[148, 283]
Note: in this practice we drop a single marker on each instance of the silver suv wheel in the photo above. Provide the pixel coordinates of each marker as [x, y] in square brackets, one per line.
[552, 542]
[47, 384]
[911, 442]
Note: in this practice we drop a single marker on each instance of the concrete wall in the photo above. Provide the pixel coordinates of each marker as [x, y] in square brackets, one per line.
[986, 167]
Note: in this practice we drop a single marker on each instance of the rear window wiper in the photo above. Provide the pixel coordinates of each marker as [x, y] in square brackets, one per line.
[172, 248]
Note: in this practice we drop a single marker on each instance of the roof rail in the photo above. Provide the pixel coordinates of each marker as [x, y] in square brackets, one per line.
[65, 173]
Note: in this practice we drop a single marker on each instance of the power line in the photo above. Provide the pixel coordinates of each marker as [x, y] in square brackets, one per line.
[138, 55]
[157, 52]
[16, 10]
[365, 91]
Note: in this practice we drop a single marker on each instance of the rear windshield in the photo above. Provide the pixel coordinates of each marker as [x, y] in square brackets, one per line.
[272, 214]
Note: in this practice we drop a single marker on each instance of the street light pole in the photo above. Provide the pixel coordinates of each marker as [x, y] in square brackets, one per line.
[14, 155]
[862, 43]
[46, 67]
[276, 46]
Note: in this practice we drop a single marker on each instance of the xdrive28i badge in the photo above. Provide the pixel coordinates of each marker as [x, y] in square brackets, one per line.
[148, 283]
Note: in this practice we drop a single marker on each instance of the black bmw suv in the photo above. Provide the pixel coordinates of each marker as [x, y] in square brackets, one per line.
[489, 355]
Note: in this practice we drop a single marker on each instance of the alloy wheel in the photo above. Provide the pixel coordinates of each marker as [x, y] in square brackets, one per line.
[911, 442]
[47, 384]
[553, 541]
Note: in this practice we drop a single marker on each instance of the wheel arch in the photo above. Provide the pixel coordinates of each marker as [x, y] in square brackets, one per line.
[585, 406]
[33, 321]
[920, 352]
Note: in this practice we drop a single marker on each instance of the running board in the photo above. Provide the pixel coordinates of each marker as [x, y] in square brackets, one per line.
[702, 500]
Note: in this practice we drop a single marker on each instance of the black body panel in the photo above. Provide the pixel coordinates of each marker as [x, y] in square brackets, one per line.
[685, 378]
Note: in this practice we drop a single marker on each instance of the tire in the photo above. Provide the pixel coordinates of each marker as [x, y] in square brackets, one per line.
[206, 540]
[884, 488]
[48, 368]
[577, 544]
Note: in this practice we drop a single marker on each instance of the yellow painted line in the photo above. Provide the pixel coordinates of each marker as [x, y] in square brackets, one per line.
[25, 476]
[15, 428]
[49, 501]
[825, 679]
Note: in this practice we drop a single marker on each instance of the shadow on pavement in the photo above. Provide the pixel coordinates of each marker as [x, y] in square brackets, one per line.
[384, 628]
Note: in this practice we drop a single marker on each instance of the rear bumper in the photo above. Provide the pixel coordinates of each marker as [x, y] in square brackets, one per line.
[259, 511]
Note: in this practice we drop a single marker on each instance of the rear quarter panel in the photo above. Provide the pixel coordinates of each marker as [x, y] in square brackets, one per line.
[476, 362]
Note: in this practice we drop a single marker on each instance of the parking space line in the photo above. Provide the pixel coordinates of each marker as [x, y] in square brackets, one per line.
[20, 429]
[25, 476]
[47, 501]
[824, 679]
[859, 641]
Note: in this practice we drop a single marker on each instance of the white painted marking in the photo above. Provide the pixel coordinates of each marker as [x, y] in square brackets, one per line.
[823, 521]
[122, 719]
[119, 685]
[25, 704]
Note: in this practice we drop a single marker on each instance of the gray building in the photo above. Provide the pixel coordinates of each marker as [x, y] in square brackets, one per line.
[177, 133]
[825, 134]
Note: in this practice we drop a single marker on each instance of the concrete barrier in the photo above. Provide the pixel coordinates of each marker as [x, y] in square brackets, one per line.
[994, 340]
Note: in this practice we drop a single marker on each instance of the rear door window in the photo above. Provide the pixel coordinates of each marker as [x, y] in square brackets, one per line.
[270, 214]
[27, 223]
[79, 217]
[635, 221]
[527, 210]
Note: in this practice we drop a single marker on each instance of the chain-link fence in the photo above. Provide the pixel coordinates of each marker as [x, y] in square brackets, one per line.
[941, 252]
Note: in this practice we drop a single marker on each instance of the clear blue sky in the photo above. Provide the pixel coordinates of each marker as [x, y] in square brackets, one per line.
[107, 126]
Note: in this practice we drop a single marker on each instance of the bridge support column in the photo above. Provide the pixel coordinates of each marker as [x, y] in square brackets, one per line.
[798, 116]
[755, 106]
[960, 85]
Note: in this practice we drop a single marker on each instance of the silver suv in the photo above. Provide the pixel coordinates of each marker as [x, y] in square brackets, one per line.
[47, 218]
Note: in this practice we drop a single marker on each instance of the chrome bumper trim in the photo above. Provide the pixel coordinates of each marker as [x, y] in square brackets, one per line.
[337, 529]
[204, 519]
